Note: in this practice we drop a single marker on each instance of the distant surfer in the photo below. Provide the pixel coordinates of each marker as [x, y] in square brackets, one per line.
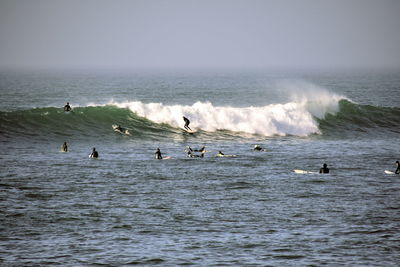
[258, 148]
[398, 167]
[191, 155]
[67, 107]
[122, 130]
[220, 154]
[158, 154]
[203, 149]
[187, 122]
[64, 147]
[324, 169]
[94, 153]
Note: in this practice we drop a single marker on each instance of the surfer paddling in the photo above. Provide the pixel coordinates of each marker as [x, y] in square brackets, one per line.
[187, 122]
[258, 148]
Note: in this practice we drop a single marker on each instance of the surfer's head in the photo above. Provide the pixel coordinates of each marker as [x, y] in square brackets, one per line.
[325, 165]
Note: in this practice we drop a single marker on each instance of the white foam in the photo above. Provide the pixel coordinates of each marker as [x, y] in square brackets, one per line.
[296, 117]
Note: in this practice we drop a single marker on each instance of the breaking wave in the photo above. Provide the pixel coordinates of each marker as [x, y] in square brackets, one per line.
[323, 114]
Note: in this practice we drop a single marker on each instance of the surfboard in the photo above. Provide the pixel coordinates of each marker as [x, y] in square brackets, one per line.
[303, 171]
[225, 156]
[123, 131]
[389, 172]
[188, 131]
[167, 157]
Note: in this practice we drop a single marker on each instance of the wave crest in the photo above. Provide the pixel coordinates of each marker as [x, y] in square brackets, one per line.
[276, 119]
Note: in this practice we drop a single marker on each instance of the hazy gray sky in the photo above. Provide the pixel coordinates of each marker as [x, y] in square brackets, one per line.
[200, 34]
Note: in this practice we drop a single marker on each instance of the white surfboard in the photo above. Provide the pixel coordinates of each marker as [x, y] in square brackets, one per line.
[189, 131]
[164, 158]
[226, 156]
[303, 171]
[389, 172]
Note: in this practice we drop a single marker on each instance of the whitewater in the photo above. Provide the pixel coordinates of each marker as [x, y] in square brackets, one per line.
[292, 118]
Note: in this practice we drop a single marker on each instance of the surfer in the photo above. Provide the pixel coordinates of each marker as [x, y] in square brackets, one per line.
[258, 148]
[219, 154]
[324, 169]
[191, 155]
[202, 150]
[398, 167]
[122, 130]
[64, 147]
[94, 153]
[158, 154]
[67, 107]
[187, 122]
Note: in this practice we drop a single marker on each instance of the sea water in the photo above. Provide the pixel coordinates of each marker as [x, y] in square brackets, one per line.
[128, 208]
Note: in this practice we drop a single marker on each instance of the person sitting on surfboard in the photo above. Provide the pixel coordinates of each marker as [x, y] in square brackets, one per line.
[94, 153]
[398, 167]
[158, 154]
[203, 149]
[64, 147]
[190, 155]
[67, 107]
[187, 122]
[324, 169]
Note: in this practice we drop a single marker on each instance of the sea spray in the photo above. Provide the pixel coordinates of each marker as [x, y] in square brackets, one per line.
[317, 100]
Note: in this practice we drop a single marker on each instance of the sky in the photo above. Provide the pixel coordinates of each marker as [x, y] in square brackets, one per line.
[206, 34]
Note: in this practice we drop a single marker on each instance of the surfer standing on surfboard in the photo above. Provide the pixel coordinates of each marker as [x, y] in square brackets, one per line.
[158, 154]
[187, 122]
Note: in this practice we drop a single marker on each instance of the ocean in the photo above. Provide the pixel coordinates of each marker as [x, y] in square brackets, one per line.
[246, 209]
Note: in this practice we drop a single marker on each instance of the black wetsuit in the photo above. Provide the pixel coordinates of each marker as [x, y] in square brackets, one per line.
[187, 122]
[67, 107]
[398, 169]
[158, 154]
[198, 150]
[64, 147]
[94, 154]
[324, 170]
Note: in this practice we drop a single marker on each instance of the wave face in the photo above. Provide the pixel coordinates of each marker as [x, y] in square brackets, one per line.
[354, 119]
[325, 115]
